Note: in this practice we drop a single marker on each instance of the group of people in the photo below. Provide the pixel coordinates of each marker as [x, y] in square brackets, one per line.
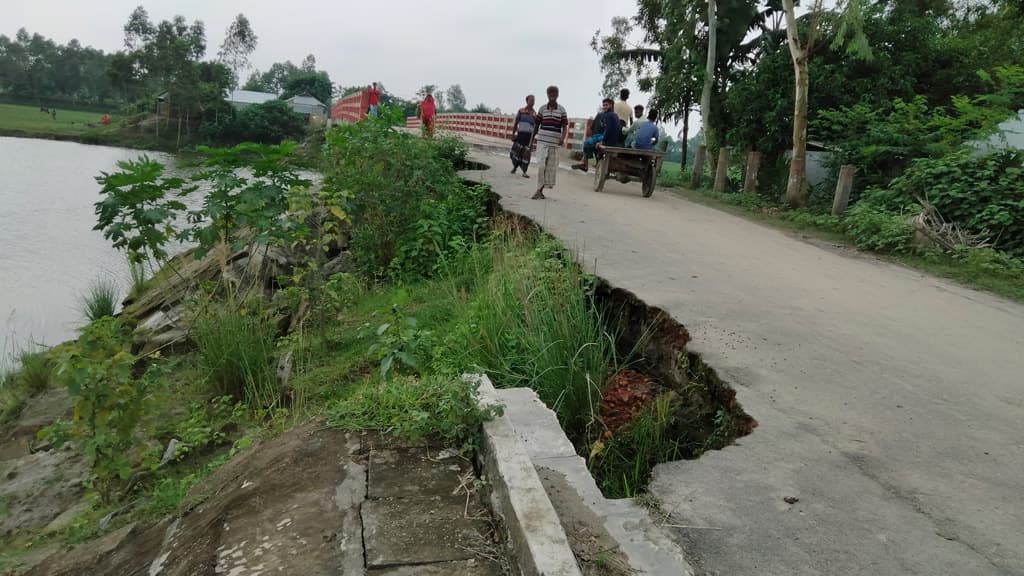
[545, 130]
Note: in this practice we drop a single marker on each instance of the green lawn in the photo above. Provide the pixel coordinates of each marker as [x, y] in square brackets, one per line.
[29, 121]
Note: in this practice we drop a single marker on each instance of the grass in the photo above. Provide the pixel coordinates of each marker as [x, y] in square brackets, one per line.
[100, 300]
[235, 354]
[978, 270]
[137, 275]
[19, 120]
[34, 374]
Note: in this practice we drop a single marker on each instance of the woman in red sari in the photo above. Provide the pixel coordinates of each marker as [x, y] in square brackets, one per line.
[427, 112]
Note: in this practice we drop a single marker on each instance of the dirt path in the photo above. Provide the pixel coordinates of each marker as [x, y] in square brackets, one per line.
[889, 401]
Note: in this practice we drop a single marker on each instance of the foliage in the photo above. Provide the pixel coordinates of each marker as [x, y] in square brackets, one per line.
[456, 99]
[109, 403]
[982, 193]
[436, 405]
[315, 84]
[36, 68]
[445, 230]
[387, 177]
[136, 214]
[100, 300]
[239, 43]
[268, 123]
[398, 340]
[137, 277]
[235, 347]
[34, 374]
[205, 425]
[623, 462]
[871, 227]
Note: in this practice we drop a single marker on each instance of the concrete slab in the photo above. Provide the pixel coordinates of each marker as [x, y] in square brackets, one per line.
[538, 540]
[463, 568]
[415, 472]
[419, 530]
[526, 411]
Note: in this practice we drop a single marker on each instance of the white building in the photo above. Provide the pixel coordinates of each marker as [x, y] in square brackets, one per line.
[242, 98]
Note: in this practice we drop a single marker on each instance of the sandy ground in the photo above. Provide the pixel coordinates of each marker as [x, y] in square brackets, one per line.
[889, 401]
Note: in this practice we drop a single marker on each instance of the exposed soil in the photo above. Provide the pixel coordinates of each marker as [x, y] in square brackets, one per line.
[624, 397]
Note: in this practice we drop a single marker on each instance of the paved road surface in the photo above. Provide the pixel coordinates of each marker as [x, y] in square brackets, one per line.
[889, 402]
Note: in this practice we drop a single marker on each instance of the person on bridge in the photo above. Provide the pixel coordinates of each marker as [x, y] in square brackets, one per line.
[622, 109]
[597, 129]
[524, 127]
[374, 93]
[427, 112]
[552, 128]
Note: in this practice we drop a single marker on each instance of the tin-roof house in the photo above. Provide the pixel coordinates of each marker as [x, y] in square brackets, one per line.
[306, 104]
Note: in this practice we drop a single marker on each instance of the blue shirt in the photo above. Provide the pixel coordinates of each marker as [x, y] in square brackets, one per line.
[646, 134]
[612, 129]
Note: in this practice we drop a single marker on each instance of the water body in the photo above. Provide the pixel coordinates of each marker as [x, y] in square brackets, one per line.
[49, 252]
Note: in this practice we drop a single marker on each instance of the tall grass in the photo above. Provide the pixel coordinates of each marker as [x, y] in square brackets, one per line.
[624, 465]
[533, 323]
[100, 300]
[236, 354]
[32, 374]
[137, 275]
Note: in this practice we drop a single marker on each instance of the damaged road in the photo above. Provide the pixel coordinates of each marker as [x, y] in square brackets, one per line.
[889, 401]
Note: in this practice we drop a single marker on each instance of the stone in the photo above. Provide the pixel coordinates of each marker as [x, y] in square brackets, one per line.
[406, 472]
[419, 530]
[340, 264]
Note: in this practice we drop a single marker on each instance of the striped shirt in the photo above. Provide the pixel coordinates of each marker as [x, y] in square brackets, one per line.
[552, 122]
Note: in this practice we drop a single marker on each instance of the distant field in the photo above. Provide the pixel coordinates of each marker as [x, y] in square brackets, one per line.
[30, 121]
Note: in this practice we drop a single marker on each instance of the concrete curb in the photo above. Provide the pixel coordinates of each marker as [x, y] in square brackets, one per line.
[541, 547]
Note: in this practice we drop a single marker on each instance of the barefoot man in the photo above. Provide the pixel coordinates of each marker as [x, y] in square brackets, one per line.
[552, 127]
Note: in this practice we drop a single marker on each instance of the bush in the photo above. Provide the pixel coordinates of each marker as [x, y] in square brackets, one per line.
[101, 299]
[453, 150]
[445, 229]
[389, 177]
[269, 123]
[982, 193]
[872, 227]
[236, 354]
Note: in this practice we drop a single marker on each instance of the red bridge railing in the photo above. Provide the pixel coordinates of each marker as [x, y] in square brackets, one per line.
[351, 108]
[497, 126]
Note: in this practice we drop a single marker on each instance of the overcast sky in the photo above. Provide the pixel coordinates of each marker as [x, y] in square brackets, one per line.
[497, 50]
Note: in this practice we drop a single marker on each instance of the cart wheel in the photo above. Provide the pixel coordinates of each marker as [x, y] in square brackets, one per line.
[600, 173]
[650, 177]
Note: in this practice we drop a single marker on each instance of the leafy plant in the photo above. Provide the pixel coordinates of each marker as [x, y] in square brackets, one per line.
[136, 213]
[100, 300]
[872, 227]
[109, 404]
[398, 340]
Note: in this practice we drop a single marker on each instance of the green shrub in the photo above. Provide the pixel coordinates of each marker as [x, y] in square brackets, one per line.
[872, 227]
[452, 150]
[445, 229]
[236, 354]
[982, 193]
[268, 123]
[100, 300]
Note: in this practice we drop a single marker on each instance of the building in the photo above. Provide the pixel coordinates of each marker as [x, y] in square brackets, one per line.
[241, 98]
[307, 105]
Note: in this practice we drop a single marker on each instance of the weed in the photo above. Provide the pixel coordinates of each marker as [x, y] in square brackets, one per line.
[100, 300]
[398, 340]
[624, 462]
[137, 275]
[236, 354]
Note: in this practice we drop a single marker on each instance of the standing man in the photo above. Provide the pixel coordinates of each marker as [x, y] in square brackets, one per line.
[374, 100]
[552, 127]
[622, 108]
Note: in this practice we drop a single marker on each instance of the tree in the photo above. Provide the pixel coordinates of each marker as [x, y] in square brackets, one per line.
[239, 43]
[315, 84]
[456, 98]
[800, 50]
[274, 79]
[309, 63]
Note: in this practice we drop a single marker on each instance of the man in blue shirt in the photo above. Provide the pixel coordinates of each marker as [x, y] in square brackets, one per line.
[643, 135]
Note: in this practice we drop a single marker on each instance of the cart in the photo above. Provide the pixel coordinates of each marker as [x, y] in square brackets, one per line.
[627, 163]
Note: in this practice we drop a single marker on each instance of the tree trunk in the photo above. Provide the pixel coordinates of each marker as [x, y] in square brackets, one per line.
[709, 69]
[686, 141]
[750, 177]
[796, 187]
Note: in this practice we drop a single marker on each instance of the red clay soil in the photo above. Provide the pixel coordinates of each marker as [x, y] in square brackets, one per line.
[624, 397]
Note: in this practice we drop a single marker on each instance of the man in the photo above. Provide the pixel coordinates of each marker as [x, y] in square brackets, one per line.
[642, 131]
[638, 112]
[374, 100]
[551, 129]
[622, 109]
[597, 129]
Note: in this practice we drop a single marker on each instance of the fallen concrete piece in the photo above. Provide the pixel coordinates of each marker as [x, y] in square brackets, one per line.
[540, 545]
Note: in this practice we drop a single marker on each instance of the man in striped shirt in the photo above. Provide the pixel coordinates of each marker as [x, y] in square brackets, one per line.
[551, 129]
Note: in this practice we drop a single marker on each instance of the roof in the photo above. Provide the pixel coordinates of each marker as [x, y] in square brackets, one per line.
[249, 97]
[306, 100]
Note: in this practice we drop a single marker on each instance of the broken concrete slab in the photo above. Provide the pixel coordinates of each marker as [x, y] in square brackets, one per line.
[419, 530]
[406, 472]
[462, 568]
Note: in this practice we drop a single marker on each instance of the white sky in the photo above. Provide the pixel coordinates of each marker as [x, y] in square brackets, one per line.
[498, 50]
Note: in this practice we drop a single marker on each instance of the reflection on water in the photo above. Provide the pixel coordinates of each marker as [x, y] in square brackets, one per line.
[49, 252]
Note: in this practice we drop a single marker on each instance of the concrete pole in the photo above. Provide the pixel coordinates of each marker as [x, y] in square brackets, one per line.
[843, 188]
[698, 166]
[750, 179]
[722, 175]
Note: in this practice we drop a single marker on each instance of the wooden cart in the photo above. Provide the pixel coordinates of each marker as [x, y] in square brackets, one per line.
[628, 163]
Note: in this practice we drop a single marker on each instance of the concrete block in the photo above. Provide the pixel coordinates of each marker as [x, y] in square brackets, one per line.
[526, 412]
[540, 544]
[418, 530]
[414, 472]
[461, 568]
